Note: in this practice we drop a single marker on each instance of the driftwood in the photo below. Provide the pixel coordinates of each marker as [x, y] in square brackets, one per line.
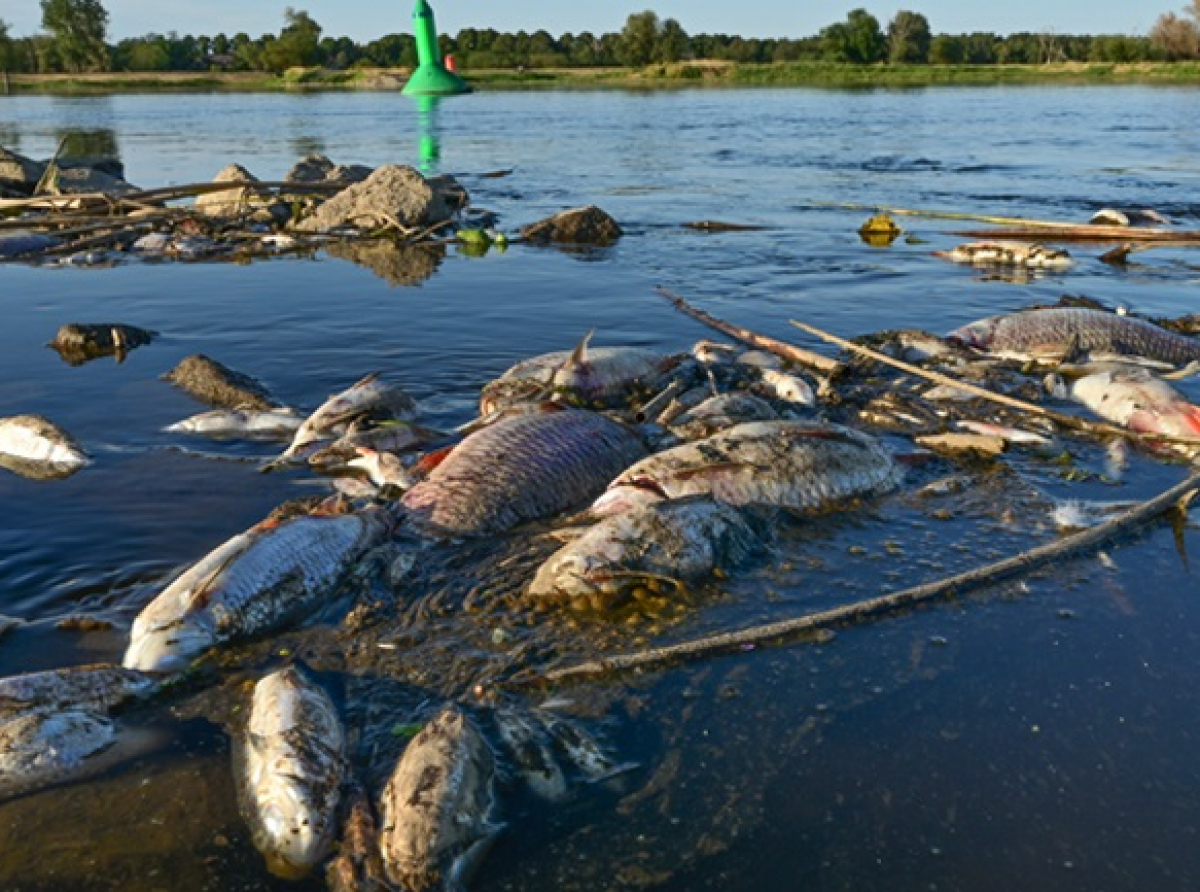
[1026, 562]
[798, 355]
[1087, 232]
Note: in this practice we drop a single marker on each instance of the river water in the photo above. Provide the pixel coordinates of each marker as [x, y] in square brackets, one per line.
[1040, 733]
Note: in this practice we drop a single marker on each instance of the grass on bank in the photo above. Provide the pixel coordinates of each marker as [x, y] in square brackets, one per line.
[681, 74]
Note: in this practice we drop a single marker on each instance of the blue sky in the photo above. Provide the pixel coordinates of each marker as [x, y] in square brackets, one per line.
[364, 20]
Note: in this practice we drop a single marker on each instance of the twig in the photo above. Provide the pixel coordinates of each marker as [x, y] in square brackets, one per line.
[1025, 562]
[1060, 418]
[786, 351]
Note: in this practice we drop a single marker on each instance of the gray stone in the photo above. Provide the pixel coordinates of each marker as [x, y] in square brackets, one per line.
[582, 226]
[393, 193]
[228, 202]
[319, 169]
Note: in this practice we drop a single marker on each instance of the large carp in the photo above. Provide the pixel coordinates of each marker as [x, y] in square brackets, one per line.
[272, 574]
[519, 469]
[291, 769]
[1056, 333]
[1134, 397]
[435, 812]
[788, 464]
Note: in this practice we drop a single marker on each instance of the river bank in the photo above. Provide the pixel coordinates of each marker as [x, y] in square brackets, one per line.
[695, 73]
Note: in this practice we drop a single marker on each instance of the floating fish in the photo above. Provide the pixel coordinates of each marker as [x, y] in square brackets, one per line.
[654, 548]
[519, 469]
[1029, 255]
[787, 387]
[259, 580]
[97, 688]
[1055, 333]
[389, 436]
[34, 439]
[436, 808]
[382, 468]
[789, 464]
[254, 423]
[371, 397]
[1116, 217]
[291, 768]
[1005, 432]
[586, 375]
[528, 745]
[582, 749]
[40, 747]
[1137, 399]
[720, 412]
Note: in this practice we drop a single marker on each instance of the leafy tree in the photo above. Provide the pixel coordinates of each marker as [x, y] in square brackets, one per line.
[908, 39]
[672, 43]
[858, 40]
[7, 50]
[947, 49]
[1175, 38]
[78, 29]
[298, 43]
[638, 39]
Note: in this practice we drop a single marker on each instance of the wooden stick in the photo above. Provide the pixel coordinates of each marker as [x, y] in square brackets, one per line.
[1023, 563]
[789, 352]
[1060, 418]
[1088, 232]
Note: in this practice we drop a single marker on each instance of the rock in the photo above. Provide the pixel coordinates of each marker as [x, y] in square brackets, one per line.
[86, 180]
[582, 226]
[78, 342]
[18, 173]
[319, 169]
[218, 386]
[392, 193]
[228, 202]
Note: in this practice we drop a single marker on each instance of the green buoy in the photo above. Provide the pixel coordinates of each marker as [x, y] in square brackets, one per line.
[431, 78]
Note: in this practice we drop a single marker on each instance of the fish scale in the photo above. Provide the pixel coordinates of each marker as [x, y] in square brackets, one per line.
[1055, 332]
[521, 469]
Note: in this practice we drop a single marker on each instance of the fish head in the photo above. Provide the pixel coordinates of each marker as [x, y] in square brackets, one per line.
[167, 647]
[621, 498]
[977, 335]
[290, 840]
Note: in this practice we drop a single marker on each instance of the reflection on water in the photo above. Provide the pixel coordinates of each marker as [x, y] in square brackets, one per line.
[1044, 729]
[429, 137]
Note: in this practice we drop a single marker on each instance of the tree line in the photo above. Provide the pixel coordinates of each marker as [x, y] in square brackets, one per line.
[74, 39]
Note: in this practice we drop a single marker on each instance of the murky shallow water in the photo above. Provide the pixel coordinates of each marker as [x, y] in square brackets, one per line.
[1040, 732]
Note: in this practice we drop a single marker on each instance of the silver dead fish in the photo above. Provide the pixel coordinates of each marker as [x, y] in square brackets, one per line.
[292, 766]
[1057, 332]
[40, 747]
[520, 469]
[719, 412]
[675, 542]
[436, 809]
[98, 688]
[258, 424]
[789, 464]
[586, 374]
[262, 579]
[528, 746]
[370, 397]
[36, 439]
[1027, 254]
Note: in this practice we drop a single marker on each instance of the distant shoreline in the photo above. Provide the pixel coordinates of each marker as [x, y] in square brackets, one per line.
[676, 75]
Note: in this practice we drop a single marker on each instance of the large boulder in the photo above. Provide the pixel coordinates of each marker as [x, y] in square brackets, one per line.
[392, 194]
[582, 226]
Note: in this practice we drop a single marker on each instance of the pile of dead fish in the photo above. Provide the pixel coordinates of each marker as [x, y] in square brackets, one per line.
[661, 472]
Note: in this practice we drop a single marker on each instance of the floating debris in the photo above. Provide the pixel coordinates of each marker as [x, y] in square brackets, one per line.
[217, 385]
[39, 447]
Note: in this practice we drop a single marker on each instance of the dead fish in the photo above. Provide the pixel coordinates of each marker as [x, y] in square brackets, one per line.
[291, 768]
[787, 387]
[528, 746]
[520, 469]
[253, 423]
[436, 809]
[371, 397]
[582, 749]
[658, 548]
[1056, 333]
[1137, 399]
[1027, 254]
[585, 375]
[720, 412]
[382, 468]
[38, 440]
[1076, 514]
[1005, 432]
[97, 688]
[357, 866]
[388, 436]
[272, 574]
[1115, 217]
[219, 386]
[40, 747]
[789, 464]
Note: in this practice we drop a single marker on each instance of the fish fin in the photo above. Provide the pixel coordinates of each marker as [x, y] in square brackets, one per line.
[578, 356]
[431, 460]
[366, 379]
[466, 864]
